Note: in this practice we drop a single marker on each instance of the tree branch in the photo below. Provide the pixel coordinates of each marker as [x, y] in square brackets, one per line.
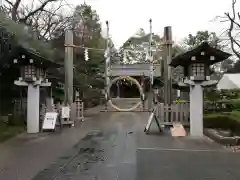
[14, 10]
[233, 21]
[9, 2]
[233, 41]
[40, 8]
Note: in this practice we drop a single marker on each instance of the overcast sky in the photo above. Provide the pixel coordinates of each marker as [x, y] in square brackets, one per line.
[185, 16]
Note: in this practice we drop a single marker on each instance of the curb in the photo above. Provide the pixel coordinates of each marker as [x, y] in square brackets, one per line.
[233, 141]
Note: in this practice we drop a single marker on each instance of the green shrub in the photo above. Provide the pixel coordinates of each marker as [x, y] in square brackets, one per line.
[235, 104]
[227, 121]
[9, 131]
[212, 95]
[230, 94]
[222, 106]
[216, 95]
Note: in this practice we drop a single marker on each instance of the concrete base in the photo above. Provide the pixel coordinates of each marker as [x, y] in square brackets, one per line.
[33, 109]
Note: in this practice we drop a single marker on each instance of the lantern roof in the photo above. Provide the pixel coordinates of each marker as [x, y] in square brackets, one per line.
[17, 39]
[38, 60]
[202, 53]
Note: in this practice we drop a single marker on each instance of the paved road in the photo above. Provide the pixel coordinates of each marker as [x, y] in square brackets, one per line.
[117, 149]
[107, 152]
[23, 157]
[112, 146]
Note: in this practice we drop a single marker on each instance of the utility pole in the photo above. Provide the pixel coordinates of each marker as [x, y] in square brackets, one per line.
[68, 66]
[167, 70]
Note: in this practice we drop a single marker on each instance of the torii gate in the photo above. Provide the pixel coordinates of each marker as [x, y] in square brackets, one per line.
[148, 69]
[151, 70]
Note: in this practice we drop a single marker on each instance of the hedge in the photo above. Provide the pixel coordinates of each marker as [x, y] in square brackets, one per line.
[222, 106]
[225, 121]
[214, 94]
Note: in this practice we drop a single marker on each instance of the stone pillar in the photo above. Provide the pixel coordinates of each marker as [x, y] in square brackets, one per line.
[33, 109]
[196, 110]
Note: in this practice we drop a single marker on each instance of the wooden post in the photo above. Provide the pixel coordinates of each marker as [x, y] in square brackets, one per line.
[68, 66]
[150, 94]
[167, 70]
[107, 67]
[143, 87]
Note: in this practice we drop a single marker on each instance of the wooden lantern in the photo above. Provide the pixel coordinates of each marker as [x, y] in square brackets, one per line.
[30, 72]
[196, 63]
[198, 71]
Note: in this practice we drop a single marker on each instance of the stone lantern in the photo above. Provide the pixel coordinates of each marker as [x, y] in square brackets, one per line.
[196, 64]
[33, 75]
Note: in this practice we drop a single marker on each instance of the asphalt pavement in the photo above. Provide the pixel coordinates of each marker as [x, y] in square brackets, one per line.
[113, 146]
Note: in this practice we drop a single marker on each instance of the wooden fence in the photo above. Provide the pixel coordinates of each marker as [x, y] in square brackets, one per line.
[76, 114]
[174, 113]
[20, 110]
[79, 109]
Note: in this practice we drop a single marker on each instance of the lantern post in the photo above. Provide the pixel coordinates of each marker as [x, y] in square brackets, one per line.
[196, 64]
[32, 75]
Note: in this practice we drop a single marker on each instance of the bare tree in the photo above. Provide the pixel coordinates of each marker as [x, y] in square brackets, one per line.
[43, 18]
[233, 31]
[14, 5]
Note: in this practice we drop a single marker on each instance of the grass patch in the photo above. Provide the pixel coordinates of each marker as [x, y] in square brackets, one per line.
[7, 131]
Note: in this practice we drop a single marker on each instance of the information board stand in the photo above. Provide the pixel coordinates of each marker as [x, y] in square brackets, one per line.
[49, 122]
[150, 120]
[65, 116]
[65, 112]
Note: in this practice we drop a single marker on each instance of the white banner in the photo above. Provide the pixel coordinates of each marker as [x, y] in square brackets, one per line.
[65, 112]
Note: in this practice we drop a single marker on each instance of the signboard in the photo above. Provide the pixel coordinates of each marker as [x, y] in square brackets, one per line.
[148, 125]
[65, 112]
[50, 120]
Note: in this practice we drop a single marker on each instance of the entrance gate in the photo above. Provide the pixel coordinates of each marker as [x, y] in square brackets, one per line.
[113, 72]
[121, 71]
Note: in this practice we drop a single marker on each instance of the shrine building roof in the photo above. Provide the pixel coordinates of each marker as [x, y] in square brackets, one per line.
[17, 39]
